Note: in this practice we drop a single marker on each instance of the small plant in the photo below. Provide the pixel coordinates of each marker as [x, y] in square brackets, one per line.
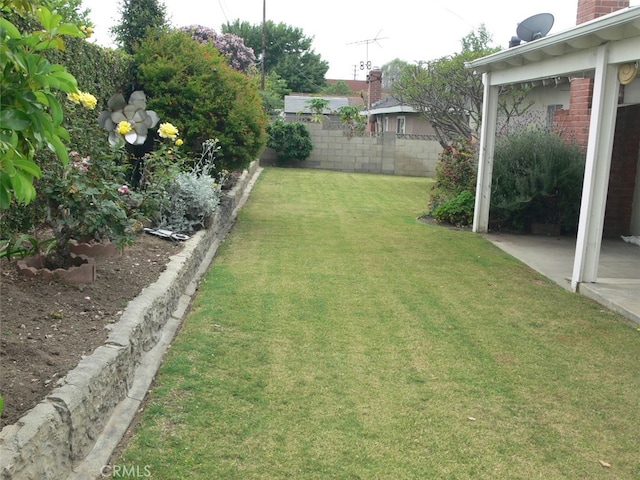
[457, 211]
[317, 107]
[85, 201]
[291, 141]
[352, 120]
[193, 200]
[195, 195]
[24, 245]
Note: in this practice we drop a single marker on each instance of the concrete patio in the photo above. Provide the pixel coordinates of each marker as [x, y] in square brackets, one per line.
[618, 285]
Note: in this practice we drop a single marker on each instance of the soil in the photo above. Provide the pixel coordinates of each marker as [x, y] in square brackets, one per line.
[47, 327]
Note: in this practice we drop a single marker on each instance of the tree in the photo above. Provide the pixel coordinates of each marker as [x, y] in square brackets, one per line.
[449, 95]
[288, 52]
[31, 115]
[136, 18]
[190, 84]
[338, 88]
[275, 89]
[391, 72]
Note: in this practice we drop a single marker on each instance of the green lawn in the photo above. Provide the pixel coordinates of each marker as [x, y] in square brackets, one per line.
[335, 336]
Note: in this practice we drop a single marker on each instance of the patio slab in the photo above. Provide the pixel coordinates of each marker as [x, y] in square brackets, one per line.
[618, 284]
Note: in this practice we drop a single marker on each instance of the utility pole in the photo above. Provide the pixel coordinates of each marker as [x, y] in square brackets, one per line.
[264, 40]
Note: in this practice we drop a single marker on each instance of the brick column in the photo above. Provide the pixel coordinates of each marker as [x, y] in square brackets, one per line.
[575, 123]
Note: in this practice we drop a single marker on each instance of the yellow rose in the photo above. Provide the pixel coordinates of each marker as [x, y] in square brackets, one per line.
[123, 127]
[179, 142]
[87, 100]
[166, 130]
[74, 97]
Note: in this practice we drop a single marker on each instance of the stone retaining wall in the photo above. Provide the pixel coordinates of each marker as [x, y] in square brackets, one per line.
[64, 435]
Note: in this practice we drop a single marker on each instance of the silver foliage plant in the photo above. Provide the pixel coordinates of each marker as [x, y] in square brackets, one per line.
[194, 195]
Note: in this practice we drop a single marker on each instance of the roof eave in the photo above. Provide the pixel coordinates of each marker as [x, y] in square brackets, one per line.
[595, 28]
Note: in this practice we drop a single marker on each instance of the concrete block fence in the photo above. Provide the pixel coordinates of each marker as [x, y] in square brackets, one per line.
[73, 431]
[386, 153]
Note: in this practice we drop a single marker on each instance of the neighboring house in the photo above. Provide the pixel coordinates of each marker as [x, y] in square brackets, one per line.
[296, 106]
[391, 115]
[601, 56]
[388, 114]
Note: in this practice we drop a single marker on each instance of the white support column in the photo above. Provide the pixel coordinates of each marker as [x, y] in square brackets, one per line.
[485, 162]
[597, 168]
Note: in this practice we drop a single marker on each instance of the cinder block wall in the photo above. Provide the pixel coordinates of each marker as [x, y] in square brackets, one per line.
[333, 150]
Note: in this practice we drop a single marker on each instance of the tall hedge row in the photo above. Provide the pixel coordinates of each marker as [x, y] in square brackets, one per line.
[101, 72]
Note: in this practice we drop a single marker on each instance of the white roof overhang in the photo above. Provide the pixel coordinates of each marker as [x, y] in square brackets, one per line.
[572, 52]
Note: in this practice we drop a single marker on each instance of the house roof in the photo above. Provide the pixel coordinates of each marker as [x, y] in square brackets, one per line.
[298, 103]
[355, 86]
[570, 52]
[390, 104]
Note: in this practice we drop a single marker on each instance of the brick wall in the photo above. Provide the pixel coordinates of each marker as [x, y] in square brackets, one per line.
[574, 123]
[622, 180]
[592, 9]
[374, 79]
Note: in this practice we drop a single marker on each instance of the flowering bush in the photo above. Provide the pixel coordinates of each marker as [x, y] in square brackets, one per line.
[178, 200]
[85, 200]
[240, 56]
[456, 172]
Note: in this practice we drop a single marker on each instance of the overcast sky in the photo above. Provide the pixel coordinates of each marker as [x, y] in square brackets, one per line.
[345, 31]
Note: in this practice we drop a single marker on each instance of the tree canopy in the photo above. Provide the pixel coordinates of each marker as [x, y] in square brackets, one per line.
[289, 53]
[450, 95]
[136, 17]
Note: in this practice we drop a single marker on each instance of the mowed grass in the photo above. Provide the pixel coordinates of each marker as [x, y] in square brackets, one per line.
[335, 336]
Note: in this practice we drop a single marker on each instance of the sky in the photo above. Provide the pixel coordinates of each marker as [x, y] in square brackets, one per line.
[349, 34]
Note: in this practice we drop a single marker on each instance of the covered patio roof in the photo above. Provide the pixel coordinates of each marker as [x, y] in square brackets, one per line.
[595, 49]
[572, 52]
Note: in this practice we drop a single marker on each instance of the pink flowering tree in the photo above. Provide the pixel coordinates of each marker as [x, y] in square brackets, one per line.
[240, 56]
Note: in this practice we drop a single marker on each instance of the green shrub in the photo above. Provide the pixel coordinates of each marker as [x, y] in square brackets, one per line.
[456, 211]
[291, 141]
[191, 84]
[456, 172]
[537, 178]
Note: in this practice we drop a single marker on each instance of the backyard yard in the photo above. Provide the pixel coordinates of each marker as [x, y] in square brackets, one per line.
[337, 336]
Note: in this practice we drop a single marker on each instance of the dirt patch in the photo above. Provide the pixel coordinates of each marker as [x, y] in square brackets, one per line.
[47, 327]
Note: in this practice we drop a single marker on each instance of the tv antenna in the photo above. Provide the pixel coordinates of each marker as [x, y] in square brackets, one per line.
[366, 64]
[532, 28]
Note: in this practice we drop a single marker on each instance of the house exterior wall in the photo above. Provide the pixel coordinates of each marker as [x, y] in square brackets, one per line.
[414, 123]
[575, 122]
[385, 153]
[624, 170]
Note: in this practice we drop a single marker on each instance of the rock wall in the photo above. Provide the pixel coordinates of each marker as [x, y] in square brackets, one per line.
[73, 431]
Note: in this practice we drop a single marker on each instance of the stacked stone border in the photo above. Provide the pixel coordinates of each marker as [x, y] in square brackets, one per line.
[72, 433]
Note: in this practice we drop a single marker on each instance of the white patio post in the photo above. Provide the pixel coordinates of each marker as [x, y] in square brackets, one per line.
[485, 162]
[597, 167]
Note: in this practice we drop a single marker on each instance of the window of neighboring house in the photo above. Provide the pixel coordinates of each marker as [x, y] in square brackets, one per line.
[386, 124]
[400, 127]
[551, 113]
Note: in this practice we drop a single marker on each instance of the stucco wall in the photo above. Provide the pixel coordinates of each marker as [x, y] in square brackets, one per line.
[386, 153]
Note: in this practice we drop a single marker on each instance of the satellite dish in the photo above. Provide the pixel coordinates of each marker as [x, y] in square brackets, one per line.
[535, 27]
